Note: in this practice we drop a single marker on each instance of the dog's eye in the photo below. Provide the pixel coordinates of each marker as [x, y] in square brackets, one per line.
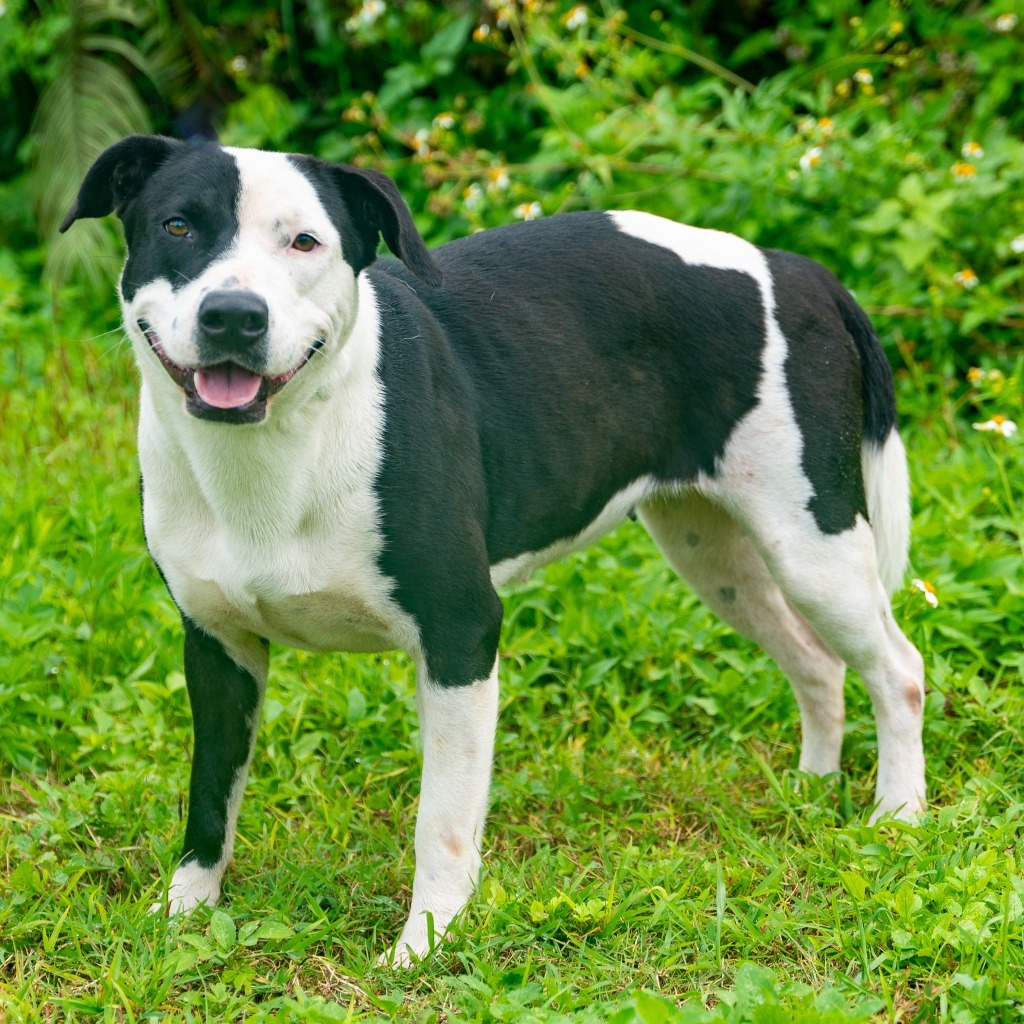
[305, 243]
[178, 227]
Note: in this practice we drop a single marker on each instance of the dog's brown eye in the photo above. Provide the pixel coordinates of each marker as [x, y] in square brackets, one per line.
[305, 243]
[178, 227]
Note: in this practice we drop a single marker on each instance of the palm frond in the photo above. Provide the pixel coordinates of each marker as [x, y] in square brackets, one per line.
[90, 104]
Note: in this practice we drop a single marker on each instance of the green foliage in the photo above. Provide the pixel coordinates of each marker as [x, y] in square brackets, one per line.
[653, 854]
[882, 139]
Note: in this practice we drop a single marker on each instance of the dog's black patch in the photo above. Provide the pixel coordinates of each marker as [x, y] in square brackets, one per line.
[825, 377]
[201, 186]
[562, 361]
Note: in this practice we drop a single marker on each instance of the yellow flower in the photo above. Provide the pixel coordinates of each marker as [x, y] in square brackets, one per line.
[966, 278]
[975, 373]
[972, 151]
[928, 590]
[999, 425]
[826, 126]
[896, 28]
[481, 32]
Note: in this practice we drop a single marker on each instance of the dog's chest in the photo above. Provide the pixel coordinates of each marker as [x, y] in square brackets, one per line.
[302, 594]
[278, 543]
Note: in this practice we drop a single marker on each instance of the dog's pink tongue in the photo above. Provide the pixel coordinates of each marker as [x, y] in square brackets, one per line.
[227, 386]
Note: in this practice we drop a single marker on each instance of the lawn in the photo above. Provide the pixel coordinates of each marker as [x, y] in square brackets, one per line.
[652, 854]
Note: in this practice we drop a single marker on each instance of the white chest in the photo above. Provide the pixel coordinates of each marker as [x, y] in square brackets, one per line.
[311, 591]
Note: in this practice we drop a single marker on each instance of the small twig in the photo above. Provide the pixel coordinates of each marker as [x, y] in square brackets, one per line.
[687, 54]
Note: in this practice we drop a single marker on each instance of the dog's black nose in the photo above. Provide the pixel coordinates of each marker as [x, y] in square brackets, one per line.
[233, 320]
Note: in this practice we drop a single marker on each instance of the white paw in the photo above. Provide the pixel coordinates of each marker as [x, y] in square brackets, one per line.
[191, 886]
[906, 810]
[417, 941]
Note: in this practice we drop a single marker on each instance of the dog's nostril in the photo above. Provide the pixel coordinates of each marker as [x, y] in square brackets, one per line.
[211, 321]
[253, 323]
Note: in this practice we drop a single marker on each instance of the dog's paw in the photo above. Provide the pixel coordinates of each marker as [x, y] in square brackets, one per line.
[417, 942]
[191, 886]
[399, 958]
[907, 810]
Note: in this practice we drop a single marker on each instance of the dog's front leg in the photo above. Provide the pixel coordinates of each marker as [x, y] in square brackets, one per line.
[226, 697]
[457, 725]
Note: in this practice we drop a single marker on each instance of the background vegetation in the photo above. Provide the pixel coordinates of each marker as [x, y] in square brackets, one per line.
[651, 857]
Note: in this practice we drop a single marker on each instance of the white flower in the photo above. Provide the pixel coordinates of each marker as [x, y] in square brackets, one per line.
[576, 18]
[928, 590]
[528, 211]
[1017, 244]
[497, 179]
[811, 158]
[863, 76]
[445, 120]
[999, 424]
[237, 65]
[1006, 22]
[972, 150]
[366, 15]
[472, 196]
[422, 145]
[966, 278]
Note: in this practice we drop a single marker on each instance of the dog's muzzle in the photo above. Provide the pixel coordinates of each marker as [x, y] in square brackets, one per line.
[231, 335]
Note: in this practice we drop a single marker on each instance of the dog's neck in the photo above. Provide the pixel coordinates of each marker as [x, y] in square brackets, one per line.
[269, 481]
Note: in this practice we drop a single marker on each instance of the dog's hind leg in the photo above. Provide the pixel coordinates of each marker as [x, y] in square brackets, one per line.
[709, 549]
[226, 698]
[833, 580]
[829, 572]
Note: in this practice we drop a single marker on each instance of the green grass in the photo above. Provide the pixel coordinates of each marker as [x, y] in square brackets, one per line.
[652, 855]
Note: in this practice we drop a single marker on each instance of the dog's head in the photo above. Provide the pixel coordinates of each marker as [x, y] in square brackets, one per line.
[242, 264]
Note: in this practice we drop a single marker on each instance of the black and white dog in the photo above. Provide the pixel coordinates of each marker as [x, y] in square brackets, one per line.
[345, 454]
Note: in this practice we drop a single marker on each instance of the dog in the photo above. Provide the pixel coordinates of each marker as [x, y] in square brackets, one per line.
[341, 452]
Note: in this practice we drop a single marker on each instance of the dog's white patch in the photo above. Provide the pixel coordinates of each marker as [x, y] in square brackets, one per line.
[457, 726]
[609, 517]
[191, 886]
[273, 530]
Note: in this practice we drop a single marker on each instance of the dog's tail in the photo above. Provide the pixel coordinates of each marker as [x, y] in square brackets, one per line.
[883, 459]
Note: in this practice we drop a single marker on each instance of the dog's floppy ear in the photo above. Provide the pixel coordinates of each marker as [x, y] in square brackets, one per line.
[118, 174]
[376, 207]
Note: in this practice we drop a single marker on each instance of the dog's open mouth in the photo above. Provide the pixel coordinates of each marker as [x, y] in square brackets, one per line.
[227, 391]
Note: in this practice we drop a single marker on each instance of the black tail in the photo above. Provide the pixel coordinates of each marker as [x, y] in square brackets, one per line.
[876, 377]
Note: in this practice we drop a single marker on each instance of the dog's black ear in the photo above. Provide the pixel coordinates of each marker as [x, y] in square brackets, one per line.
[377, 207]
[118, 174]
